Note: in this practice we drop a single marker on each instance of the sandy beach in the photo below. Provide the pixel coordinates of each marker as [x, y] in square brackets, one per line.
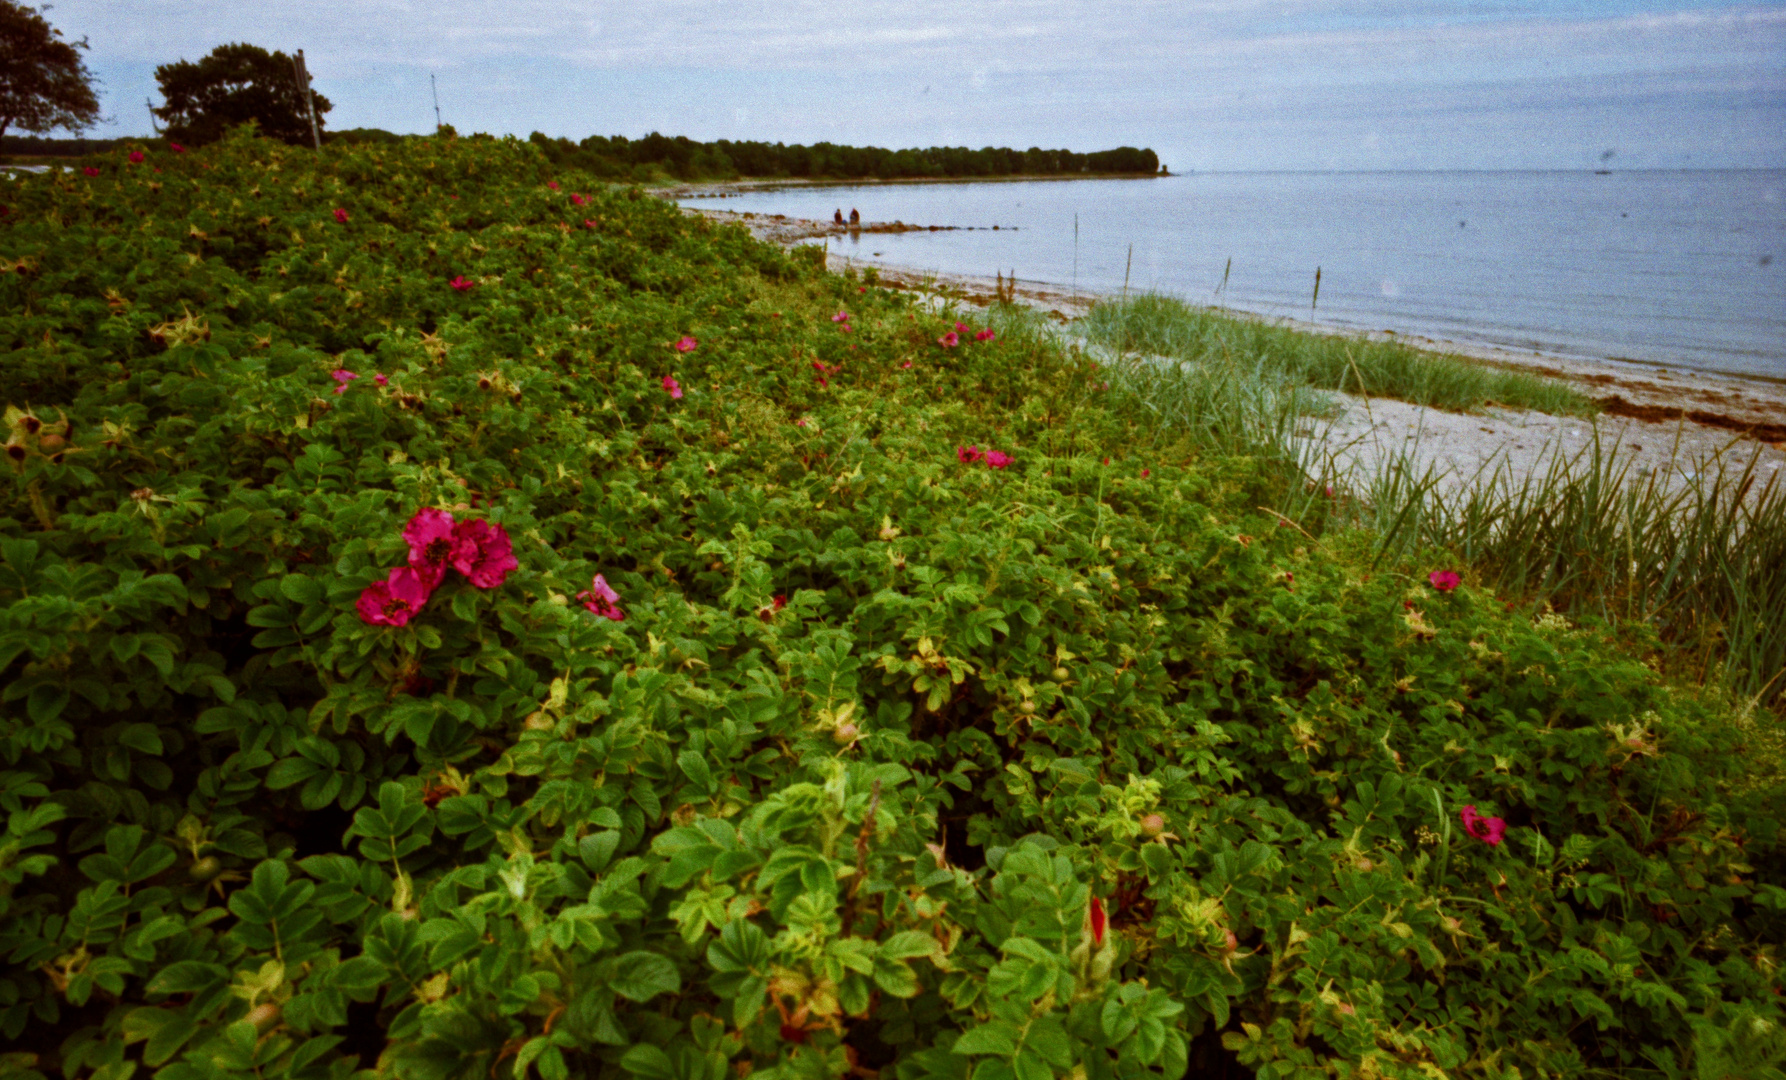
[1670, 421]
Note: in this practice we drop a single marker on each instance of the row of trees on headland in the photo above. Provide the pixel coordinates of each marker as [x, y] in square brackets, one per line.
[45, 84]
[658, 156]
[618, 157]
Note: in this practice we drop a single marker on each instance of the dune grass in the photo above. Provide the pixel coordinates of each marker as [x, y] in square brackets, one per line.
[1698, 565]
[1159, 325]
[1701, 562]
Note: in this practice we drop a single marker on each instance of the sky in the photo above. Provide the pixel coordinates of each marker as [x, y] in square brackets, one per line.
[1208, 84]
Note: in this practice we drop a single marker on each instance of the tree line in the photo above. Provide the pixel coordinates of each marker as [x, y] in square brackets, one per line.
[45, 84]
[617, 157]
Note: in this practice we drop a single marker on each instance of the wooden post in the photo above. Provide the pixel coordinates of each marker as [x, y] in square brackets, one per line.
[303, 76]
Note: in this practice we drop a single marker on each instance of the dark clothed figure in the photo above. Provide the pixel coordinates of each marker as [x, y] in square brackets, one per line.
[855, 218]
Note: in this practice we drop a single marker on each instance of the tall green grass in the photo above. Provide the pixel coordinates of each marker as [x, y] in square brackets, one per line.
[1700, 562]
[1150, 323]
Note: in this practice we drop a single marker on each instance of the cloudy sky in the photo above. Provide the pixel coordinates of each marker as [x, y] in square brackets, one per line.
[1209, 84]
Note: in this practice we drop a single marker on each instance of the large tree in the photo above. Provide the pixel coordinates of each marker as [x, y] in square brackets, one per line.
[44, 83]
[231, 86]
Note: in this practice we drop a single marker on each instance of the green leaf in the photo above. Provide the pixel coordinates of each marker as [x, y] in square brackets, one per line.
[1587, 1003]
[291, 772]
[597, 849]
[269, 616]
[896, 978]
[124, 646]
[641, 976]
[160, 654]
[1030, 1066]
[995, 1037]
[301, 589]
[645, 1060]
[143, 737]
[909, 943]
[187, 977]
[46, 702]
[165, 1029]
[694, 766]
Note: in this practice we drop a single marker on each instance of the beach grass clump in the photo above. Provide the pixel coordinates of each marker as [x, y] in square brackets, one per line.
[1700, 560]
[462, 622]
[1154, 324]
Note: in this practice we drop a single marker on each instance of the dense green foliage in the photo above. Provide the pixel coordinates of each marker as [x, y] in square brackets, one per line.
[1078, 767]
[617, 157]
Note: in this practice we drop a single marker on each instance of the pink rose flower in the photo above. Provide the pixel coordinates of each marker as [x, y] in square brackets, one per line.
[1489, 830]
[998, 459]
[382, 379]
[961, 328]
[985, 335]
[967, 455]
[90, 171]
[588, 224]
[462, 283]
[429, 535]
[905, 365]
[342, 377]
[601, 599]
[340, 216]
[395, 600]
[553, 184]
[674, 387]
[579, 200]
[482, 552]
[949, 340]
[136, 157]
[176, 148]
[687, 344]
[1444, 580]
[842, 316]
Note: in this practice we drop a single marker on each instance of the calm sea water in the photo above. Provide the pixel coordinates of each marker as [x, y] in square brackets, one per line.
[1684, 269]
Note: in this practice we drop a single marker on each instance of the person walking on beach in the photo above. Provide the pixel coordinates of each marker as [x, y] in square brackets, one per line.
[855, 218]
[838, 216]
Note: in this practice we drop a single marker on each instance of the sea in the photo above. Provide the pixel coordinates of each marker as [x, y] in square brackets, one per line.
[1678, 269]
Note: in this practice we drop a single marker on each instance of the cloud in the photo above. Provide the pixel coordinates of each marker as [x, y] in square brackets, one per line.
[1210, 81]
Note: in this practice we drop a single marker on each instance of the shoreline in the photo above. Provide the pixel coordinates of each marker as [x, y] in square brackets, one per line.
[1656, 419]
[682, 189]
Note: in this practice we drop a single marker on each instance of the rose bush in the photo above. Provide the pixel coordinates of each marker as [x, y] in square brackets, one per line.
[1061, 767]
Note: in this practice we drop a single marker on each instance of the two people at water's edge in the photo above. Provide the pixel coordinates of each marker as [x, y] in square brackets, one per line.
[837, 216]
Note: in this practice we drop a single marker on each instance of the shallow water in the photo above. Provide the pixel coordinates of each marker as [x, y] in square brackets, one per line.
[1680, 268]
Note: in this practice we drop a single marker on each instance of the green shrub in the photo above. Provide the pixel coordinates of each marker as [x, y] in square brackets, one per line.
[896, 761]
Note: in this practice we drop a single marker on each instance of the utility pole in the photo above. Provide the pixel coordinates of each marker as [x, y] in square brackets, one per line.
[432, 85]
[303, 76]
[150, 104]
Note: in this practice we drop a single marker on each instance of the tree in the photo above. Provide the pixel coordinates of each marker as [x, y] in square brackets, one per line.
[231, 86]
[44, 83]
